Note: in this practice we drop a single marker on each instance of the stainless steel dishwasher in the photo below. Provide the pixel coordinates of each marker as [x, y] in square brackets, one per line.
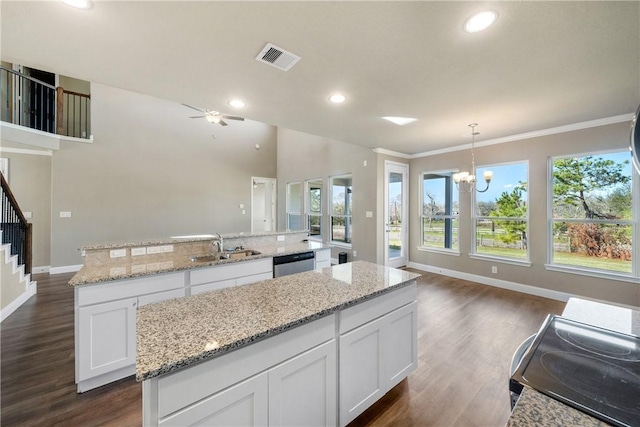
[294, 263]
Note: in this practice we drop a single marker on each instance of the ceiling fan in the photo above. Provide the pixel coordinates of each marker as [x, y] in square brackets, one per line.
[214, 117]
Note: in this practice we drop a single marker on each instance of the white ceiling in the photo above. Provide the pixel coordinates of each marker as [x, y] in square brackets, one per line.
[541, 65]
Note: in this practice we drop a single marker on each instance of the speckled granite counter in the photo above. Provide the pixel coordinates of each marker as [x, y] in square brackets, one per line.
[534, 409]
[129, 267]
[174, 334]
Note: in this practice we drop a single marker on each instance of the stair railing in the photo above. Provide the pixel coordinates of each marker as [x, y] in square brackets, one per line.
[29, 102]
[16, 231]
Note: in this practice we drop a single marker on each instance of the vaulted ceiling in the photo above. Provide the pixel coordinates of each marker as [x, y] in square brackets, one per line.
[541, 65]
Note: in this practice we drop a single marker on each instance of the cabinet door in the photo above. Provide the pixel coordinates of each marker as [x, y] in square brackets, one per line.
[361, 369]
[302, 391]
[400, 344]
[244, 404]
[107, 337]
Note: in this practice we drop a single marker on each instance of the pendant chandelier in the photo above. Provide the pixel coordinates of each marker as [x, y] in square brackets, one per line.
[467, 181]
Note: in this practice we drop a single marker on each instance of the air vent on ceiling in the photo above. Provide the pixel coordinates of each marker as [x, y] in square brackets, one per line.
[277, 57]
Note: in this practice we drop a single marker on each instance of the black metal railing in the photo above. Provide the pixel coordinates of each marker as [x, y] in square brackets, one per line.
[16, 231]
[29, 102]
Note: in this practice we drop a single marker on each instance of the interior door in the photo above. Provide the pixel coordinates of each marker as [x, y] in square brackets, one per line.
[396, 211]
[263, 204]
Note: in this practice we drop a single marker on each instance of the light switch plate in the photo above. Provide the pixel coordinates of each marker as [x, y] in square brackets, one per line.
[28, 215]
[369, 214]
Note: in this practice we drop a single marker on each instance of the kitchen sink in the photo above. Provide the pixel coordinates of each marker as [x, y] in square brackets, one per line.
[243, 253]
[235, 254]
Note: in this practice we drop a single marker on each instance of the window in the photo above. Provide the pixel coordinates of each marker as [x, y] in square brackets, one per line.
[501, 213]
[439, 211]
[592, 218]
[314, 207]
[341, 206]
[294, 203]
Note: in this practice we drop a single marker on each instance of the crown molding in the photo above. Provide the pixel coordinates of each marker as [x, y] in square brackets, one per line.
[518, 137]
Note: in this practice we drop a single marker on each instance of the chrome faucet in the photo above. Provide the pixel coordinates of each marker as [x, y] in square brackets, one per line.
[219, 243]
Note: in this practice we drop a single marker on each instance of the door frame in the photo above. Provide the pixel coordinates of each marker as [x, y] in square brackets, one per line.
[274, 193]
[403, 259]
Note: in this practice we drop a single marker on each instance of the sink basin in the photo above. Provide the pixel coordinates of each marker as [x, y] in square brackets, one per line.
[208, 258]
[242, 253]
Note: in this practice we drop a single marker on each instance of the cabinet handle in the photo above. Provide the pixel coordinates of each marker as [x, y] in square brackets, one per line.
[134, 304]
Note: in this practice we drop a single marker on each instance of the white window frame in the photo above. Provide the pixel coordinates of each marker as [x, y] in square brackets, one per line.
[331, 215]
[525, 262]
[422, 216]
[307, 207]
[288, 211]
[634, 276]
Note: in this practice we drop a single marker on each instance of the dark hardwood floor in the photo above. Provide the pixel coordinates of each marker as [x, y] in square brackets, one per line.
[466, 335]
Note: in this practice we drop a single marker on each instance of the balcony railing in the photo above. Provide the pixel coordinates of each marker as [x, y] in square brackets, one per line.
[38, 105]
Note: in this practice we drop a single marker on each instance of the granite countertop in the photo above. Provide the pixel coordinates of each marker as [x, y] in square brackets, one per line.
[128, 267]
[183, 239]
[176, 333]
[534, 409]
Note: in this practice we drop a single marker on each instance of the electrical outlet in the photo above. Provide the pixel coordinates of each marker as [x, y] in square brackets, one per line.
[494, 269]
[167, 248]
[138, 251]
[355, 254]
[117, 253]
[154, 250]
[65, 214]
[280, 238]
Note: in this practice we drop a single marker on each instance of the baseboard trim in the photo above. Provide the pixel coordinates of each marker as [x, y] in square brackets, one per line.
[65, 269]
[31, 290]
[504, 284]
[41, 269]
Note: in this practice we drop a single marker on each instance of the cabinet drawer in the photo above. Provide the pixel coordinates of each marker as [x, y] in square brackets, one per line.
[366, 311]
[111, 291]
[160, 296]
[255, 278]
[214, 286]
[231, 271]
[323, 255]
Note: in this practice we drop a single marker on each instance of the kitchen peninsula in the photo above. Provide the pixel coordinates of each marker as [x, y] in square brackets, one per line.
[117, 278]
[314, 348]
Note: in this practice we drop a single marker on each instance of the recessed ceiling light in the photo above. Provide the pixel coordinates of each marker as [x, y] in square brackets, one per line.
[236, 103]
[480, 21]
[80, 4]
[337, 98]
[400, 121]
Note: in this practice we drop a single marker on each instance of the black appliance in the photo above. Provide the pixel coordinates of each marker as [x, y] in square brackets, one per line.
[591, 369]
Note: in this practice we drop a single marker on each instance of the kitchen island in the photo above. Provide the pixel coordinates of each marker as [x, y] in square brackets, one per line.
[117, 278]
[534, 409]
[314, 348]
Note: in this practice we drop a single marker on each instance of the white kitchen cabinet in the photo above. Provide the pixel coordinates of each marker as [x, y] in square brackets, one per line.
[229, 275]
[108, 338]
[323, 258]
[244, 404]
[105, 325]
[374, 358]
[302, 391]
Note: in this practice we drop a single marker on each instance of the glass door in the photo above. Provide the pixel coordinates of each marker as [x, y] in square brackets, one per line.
[396, 214]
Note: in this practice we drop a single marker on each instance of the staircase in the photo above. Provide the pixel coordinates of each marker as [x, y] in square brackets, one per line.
[15, 254]
[16, 286]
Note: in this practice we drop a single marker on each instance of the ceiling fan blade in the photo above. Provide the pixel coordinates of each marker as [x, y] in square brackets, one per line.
[197, 117]
[232, 117]
[222, 123]
[195, 108]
